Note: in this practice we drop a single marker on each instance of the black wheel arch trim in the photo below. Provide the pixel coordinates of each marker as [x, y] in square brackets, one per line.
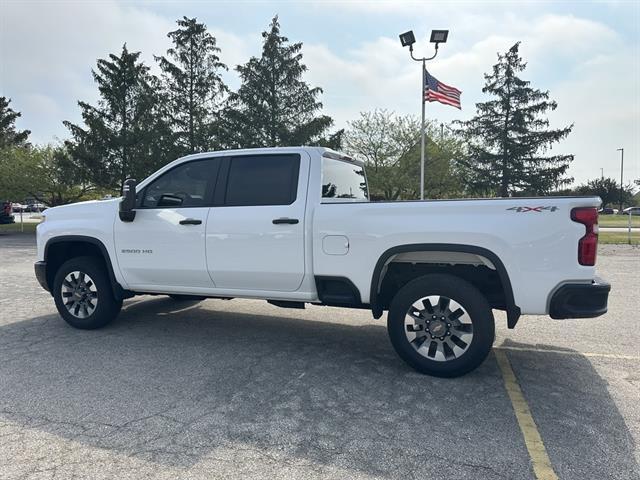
[513, 311]
[118, 291]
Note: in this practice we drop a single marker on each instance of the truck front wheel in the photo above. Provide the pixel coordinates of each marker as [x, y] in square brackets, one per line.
[441, 325]
[83, 294]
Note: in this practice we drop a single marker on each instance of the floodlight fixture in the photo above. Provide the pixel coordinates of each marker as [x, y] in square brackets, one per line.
[407, 38]
[439, 36]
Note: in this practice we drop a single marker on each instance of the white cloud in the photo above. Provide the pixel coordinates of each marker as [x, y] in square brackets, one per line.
[603, 100]
[589, 71]
[48, 49]
[235, 50]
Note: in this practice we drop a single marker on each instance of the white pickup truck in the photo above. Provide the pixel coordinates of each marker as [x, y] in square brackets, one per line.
[295, 226]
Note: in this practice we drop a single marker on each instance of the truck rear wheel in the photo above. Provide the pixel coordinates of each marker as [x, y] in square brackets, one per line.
[441, 325]
[83, 294]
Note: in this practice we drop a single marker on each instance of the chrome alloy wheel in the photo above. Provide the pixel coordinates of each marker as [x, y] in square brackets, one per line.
[79, 294]
[438, 328]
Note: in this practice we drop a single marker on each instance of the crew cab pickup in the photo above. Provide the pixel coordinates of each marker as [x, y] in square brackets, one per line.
[295, 225]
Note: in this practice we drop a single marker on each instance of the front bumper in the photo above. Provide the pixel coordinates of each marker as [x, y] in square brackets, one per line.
[41, 274]
[580, 300]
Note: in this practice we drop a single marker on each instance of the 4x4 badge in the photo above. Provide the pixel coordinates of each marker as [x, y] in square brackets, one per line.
[533, 209]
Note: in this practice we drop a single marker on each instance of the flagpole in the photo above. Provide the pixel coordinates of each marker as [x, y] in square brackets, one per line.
[422, 139]
[424, 61]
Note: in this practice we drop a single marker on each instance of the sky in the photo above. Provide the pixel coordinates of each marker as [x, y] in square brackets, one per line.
[587, 54]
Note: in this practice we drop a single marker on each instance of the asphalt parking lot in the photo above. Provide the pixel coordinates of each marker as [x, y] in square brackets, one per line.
[242, 389]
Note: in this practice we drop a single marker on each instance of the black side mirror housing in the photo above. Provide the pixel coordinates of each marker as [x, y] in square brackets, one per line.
[128, 202]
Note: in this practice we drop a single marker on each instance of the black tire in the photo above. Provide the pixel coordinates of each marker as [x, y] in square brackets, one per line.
[106, 307]
[186, 298]
[469, 298]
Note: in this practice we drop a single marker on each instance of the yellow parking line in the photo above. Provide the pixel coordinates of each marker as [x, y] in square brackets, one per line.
[571, 352]
[540, 460]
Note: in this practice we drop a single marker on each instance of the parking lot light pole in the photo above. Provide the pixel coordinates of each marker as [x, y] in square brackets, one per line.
[621, 150]
[407, 39]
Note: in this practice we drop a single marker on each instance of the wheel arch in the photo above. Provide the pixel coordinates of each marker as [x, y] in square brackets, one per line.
[377, 308]
[59, 249]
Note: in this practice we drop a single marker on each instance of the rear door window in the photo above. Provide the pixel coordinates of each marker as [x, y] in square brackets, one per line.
[263, 180]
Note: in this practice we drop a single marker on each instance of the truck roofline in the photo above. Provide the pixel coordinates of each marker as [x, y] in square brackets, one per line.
[311, 151]
[261, 150]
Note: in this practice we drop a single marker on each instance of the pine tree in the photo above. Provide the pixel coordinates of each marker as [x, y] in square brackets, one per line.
[122, 136]
[9, 136]
[274, 106]
[508, 138]
[193, 88]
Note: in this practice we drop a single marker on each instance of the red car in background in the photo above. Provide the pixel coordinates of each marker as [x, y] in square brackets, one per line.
[5, 213]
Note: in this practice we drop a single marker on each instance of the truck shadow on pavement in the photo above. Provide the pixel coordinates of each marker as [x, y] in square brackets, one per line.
[277, 392]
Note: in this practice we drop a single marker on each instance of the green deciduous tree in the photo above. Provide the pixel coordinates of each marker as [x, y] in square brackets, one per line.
[508, 140]
[274, 106]
[48, 174]
[607, 189]
[193, 89]
[124, 134]
[9, 136]
[390, 146]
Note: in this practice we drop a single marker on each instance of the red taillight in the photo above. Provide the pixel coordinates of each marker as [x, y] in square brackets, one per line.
[588, 245]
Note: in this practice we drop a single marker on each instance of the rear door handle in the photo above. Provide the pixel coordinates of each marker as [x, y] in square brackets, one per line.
[280, 221]
[190, 221]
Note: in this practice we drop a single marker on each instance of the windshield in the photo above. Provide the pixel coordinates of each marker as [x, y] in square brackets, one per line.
[343, 181]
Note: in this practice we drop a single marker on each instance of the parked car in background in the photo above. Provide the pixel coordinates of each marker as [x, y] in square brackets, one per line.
[5, 213]
[35, 207]
[608, 211]
[18, 207]
[631, 211]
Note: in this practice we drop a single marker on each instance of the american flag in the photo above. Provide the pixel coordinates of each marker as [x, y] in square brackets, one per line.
[436, 91]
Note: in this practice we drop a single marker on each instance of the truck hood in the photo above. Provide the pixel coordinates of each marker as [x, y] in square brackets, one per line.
[83, 209]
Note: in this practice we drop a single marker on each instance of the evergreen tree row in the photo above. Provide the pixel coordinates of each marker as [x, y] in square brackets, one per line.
[141, 121]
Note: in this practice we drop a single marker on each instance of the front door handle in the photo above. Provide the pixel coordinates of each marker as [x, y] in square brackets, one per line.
[280, 221]
[190, 221]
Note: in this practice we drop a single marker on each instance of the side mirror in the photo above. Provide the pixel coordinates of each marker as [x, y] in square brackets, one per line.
[128, 202]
